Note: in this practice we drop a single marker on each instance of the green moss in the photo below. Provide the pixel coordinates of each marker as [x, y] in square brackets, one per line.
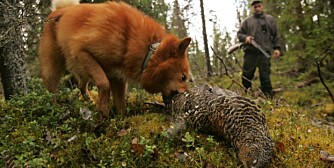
[36, 132]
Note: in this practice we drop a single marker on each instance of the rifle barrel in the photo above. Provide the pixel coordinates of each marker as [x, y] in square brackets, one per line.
[256, 45]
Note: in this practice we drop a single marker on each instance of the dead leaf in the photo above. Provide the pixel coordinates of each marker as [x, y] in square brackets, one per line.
[72, 138]
[122, 132]
[325, 156]
[280, 147]
[136, 147]
[156, 152]
[85, 113]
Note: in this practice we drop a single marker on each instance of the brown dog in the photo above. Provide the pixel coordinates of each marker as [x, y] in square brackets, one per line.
[109, 44]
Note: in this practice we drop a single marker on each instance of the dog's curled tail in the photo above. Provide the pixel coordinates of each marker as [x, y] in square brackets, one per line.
[55, 4]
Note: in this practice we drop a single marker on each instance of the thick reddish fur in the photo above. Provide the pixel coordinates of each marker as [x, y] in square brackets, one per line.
[106, 44]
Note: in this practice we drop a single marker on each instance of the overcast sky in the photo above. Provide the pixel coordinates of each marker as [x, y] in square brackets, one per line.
[225, 12]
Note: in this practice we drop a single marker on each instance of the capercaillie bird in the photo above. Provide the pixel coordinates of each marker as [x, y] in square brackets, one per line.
[225, 114]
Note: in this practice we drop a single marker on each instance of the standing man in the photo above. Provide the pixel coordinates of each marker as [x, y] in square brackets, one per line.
[261, 28]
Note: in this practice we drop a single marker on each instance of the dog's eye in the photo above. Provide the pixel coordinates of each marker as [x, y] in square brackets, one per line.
[184, 78]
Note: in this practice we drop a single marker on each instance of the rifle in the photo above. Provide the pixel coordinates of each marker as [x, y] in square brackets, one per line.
[254, 43]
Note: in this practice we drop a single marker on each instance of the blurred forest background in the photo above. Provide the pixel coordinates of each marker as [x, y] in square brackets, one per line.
[306, 28]
[303, 80]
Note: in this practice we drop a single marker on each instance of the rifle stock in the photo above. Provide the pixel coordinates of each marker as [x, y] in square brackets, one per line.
[237, 46]
[234, 47]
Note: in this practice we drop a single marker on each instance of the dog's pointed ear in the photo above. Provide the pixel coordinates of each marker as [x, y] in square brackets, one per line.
[183, 45]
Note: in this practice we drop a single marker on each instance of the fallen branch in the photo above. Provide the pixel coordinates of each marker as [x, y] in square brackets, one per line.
[226, 70]
[307, 82]
[156, 104]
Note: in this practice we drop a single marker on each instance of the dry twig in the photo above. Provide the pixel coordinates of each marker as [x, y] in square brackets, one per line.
[318, 60]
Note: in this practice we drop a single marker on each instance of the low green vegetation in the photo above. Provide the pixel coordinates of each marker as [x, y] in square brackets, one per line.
[36, 132]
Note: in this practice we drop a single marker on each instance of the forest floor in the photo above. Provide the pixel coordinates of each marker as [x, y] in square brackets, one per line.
[35, 132]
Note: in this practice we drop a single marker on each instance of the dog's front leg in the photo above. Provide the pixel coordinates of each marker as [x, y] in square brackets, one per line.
[119, 89]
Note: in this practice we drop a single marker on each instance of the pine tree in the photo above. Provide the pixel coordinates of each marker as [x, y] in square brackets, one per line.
[13, 67]
[177, 22]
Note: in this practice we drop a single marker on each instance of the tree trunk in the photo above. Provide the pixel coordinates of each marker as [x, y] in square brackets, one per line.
[205, 39]
[13, 67]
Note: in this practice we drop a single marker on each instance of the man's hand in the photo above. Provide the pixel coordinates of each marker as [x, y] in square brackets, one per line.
[277, 53]
[249, 39]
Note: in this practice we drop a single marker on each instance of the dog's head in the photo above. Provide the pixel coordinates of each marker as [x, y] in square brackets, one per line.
[168, 70]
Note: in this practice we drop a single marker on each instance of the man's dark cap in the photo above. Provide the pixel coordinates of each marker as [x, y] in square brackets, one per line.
[255, 2]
